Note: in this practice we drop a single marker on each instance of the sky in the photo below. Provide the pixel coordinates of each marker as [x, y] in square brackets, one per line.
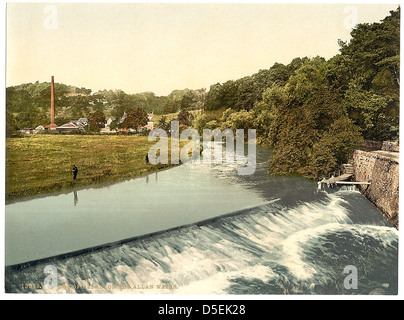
[161, 47]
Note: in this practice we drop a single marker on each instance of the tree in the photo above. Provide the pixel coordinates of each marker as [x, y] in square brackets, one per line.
[309, 129]
[96, 121]
[136, 118]
[239, 120]
[200, 121]
[24, 120]
[172, 106]
[163, 124]
[366, 75]
[185, 118]
[189, 101]
[114, 124]
[11, 125]
[334, 148]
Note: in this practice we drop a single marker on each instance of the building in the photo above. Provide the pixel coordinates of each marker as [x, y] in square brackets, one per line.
[150, 123]
[124, 116]
[27, 131]
[108, 121]
[83, 120]
[73, 125]
[107, 128]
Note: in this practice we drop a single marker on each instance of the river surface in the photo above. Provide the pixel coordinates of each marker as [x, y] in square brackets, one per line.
[253, 234]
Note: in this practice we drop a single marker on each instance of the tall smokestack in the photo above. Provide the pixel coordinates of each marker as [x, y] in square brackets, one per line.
[53, 100]
[52, 125]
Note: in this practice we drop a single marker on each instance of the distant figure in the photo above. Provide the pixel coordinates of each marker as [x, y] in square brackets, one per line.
[75, 171]
[147, 158]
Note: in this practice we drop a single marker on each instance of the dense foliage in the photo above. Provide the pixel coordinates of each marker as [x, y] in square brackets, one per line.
[314, 112]
[96, 121]
[135, 119]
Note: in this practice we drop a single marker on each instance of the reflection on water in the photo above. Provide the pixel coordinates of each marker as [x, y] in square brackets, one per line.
[76, 198]
[148, 177]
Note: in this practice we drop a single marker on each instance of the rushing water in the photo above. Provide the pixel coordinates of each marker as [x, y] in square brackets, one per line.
[276, 235]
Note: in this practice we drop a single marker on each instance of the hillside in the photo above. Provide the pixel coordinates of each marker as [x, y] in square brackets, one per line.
[28, 105]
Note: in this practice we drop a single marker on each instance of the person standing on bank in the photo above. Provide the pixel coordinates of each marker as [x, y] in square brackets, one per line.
[75, 171]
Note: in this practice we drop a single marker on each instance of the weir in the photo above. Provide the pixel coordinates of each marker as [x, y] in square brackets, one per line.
[232, 254]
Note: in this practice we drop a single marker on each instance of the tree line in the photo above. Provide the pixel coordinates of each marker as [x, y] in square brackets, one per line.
[313, 112]
[28, 105]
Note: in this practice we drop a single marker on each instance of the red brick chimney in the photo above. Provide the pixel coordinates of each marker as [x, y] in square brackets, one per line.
[53, 100]
[52, 125]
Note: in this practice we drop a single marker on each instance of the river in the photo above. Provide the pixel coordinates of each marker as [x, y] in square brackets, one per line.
[253, 234]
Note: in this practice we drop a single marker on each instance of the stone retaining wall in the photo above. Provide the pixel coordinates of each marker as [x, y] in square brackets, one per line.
[381, 169]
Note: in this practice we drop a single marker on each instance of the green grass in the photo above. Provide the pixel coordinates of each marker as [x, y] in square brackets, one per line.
[43, 163]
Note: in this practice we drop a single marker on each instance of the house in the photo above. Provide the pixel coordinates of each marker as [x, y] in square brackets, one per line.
[27, 131]
[73, 125]
[150, 123]
[83, 120]
[124, 116]
[107, 128]
[32, 131]
[39, 128]
[108, 121]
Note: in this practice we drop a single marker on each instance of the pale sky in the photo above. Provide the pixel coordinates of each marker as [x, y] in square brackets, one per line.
[163, 47]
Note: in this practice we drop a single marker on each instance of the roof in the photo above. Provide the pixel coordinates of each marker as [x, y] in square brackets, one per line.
[74, 124]
[123, 117]
[52, 125]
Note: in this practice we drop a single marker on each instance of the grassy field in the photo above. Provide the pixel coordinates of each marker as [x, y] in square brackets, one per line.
[43, 163]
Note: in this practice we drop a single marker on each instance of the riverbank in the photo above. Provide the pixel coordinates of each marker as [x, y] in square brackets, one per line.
[43, 164]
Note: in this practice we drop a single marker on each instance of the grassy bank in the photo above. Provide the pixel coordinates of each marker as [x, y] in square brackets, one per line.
[43, 163]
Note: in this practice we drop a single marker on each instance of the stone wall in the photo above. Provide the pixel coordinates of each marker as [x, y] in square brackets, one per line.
[381, 169]
[371, 145]
[390, 146]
